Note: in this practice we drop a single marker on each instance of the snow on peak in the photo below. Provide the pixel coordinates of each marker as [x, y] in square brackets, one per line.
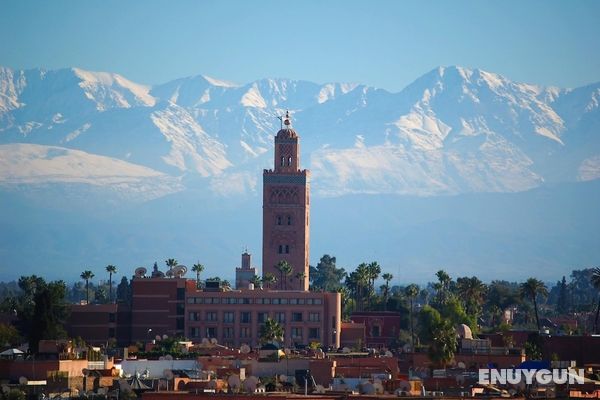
[253, 98]
[218, 82]
[105, 88]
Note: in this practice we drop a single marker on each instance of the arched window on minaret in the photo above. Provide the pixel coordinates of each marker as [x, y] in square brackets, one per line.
[283, 161]
[289, 161]
[289, 219]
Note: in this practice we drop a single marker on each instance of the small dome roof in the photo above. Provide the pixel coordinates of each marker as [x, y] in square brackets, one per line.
[464, 331]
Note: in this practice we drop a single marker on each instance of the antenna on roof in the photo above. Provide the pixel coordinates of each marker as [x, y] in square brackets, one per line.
[280, 118]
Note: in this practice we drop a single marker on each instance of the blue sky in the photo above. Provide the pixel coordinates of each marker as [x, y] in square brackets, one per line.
[386, 44]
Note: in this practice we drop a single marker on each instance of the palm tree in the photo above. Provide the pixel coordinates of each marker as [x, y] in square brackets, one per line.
[300, 276]
[256, 281]
[111, 269]
[171, 263]
[471, 291]
[362, 280]
[271, 331]
[198, 268]
[595, 279]
[284, 268]
[86, 276]
[442, 287]
[412, 291]
[387, 277]
[531, 289]
[269, 279]
[373, 271]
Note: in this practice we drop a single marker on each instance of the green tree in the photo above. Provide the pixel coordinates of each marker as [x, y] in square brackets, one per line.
[271, 331]
[387, 277]
[286, 269]
[86, 276]
[9, 335]
[111, 269]
[411, 292]
[373, 271]
[442, 287]
[562, 302]
[42, 310]
[198, 268]
[358, 283]
[256, 281]
[595, 280]
[101, 295]
[269, 280]
[439, 334]
[124, 291]
[171, 263]
[472, 292]
[531, 289]
[326, 276]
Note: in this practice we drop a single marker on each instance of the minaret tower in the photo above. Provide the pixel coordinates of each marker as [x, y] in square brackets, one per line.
[286, 203]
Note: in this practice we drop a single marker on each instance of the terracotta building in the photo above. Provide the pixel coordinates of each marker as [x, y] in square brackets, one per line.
[286, 201]
[235, 317]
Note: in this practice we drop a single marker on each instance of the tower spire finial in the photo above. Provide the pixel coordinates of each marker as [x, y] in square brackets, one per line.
[287, 120]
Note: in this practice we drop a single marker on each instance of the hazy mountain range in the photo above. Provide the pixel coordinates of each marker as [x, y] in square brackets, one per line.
[97, 169]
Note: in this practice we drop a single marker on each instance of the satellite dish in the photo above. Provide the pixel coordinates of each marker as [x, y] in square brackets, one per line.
[165, 336]
[5, 389]
[346, 350]
[168, 374]
[234, 382]
[378, 387]
[367, 388]
[158, 337]
[169, 357]
[169, 273]
[179, 271]
[245, 349]
[319, 389]
[388, 353]
[461, 365]
[213, 341]
[282, 378]
[287, 351]
[250, 384]
[23, 381]
[140, 272]
[161, 358]
[205, 341]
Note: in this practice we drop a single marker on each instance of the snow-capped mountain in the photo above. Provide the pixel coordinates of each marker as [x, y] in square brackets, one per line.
[454, 130]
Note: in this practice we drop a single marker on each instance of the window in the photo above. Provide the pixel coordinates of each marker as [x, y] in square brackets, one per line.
[280, 249]
[208, 300]
[211, 332]
[289, 161]
[227, 333]
[318, 301]
[301, 301]
[228, 317]
[284, 301]
[230, 300]
[111, 332]
[195, 332]
[279, 220]
[293, 301]
[375, 331]
[289, 219]
[180, 309]
[296, 317]
[314, 317]
[245, 332]
[245, 317]
[180, 293]
[287, 249]
[313, 333]
[211, 316]
[276, 301]
[262, 317]
[309, 301]
[111, 317]
[179, 324]
[296, 333]
[280, 317]
[216, 300]
[194, 316]
[245, 300]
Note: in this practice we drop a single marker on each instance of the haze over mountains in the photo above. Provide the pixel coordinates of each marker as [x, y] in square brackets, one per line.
[461, 169]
